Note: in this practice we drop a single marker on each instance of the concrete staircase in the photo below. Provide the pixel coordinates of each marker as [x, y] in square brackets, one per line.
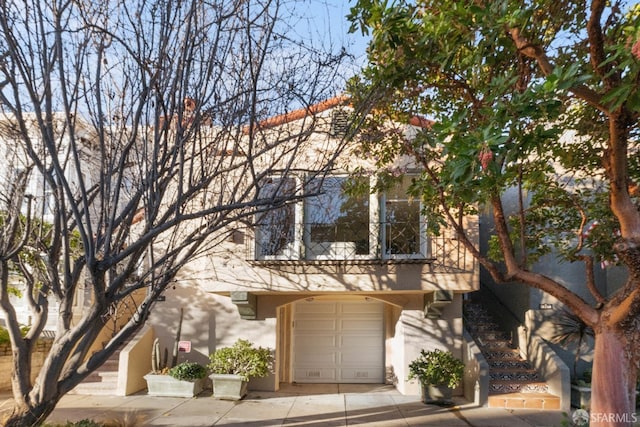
[102, 381]
[513, 383]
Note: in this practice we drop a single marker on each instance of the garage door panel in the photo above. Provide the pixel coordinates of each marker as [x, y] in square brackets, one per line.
[316, 325]
[314, 375]
[339, 342]
[359, 342]
[316, 358]
[309, 309]
[365, 358]
[360, 375]
[310, 341]
[359, 325]
[360, 308]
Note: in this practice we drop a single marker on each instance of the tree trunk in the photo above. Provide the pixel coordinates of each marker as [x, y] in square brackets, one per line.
[30, 415]
[613, 382]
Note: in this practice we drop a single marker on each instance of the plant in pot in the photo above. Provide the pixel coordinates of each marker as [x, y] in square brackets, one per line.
[439, 372]
[570, 329]
[185, 379]
[581, 391]
[232, 367]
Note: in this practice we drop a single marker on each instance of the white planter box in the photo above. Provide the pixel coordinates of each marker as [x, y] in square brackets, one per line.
[580, 397]
[166, 385]
[228, 386]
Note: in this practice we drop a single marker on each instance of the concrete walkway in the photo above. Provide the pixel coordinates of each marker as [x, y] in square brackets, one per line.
[294, 405]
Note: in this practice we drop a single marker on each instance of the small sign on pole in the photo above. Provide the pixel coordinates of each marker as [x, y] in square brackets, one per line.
[184, 346]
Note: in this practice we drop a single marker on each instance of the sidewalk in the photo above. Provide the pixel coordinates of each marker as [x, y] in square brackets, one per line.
[295, 405]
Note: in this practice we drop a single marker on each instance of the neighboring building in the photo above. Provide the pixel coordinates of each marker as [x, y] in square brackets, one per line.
[344, 288]
[14, 161]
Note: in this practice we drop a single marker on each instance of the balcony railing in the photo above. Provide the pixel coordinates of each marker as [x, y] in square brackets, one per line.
[358, 243]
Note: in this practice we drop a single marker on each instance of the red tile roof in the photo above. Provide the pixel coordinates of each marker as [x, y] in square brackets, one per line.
[298, 114]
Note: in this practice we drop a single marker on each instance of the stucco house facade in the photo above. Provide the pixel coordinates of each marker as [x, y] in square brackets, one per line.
[14, 161]
[344, 287]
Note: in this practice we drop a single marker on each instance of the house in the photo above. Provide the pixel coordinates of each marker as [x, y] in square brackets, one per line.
[15, 162]
[345, 287]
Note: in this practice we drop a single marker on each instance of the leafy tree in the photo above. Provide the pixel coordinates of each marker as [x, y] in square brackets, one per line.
[132, 143]
[538, 97]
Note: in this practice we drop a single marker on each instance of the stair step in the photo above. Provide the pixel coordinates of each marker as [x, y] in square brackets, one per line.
[108, 376]
[495, 344]
[503, 354]
[508, 364]
[485, 327]
[513, 383]
[104, 380]
[524, 401]
[514, 375]
[110, 364]
[95, 387]
[513, 386]
[492, 335]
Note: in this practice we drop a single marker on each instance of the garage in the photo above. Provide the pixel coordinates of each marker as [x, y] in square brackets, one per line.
[338, 341]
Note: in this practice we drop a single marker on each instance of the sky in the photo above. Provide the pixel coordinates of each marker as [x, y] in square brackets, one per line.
[325, 22]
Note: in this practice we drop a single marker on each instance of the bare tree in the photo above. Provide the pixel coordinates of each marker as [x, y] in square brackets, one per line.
[136, 132]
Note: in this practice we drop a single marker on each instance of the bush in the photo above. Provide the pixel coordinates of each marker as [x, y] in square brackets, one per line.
[4, 333]
[438, 368]
[188, 371]
[242, 359]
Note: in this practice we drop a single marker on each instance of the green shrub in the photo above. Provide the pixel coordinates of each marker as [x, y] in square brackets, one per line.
[242, 359]
[4, 333]
[438, 368]
[188, 371]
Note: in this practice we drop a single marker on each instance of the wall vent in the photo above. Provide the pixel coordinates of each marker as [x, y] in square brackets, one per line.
[339, 123]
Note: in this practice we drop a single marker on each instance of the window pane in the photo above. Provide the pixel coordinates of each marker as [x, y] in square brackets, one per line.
[402, 221]
[402, 227]
[275, 234]
[337, 223]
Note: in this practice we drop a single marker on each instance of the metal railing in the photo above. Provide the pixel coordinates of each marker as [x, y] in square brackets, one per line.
[358, 241]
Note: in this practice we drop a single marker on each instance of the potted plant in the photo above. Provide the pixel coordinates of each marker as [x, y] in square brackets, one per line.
[232, 367]
[186, 379]
[439, 372]
[570, 329]
[581, 391]
[182, 380]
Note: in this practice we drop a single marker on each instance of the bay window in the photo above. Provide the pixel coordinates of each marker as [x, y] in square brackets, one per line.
[332, 223]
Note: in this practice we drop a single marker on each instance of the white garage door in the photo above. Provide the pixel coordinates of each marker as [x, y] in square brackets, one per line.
[338, 341]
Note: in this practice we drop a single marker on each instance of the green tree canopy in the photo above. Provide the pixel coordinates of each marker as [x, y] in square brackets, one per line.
[541, 98]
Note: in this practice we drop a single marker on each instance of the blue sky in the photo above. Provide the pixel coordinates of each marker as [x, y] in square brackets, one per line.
[323, 23]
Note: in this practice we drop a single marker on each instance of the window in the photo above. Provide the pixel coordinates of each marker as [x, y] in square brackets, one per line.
[402, 228]
[336, 223]
[276, 228]
[331, 223]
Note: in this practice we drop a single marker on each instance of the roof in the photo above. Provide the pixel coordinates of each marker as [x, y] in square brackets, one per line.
[281, 119]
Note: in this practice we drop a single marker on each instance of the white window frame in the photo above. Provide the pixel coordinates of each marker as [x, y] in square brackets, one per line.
[342, 254]
[300, 247]
[424, 240]
[293, 249]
